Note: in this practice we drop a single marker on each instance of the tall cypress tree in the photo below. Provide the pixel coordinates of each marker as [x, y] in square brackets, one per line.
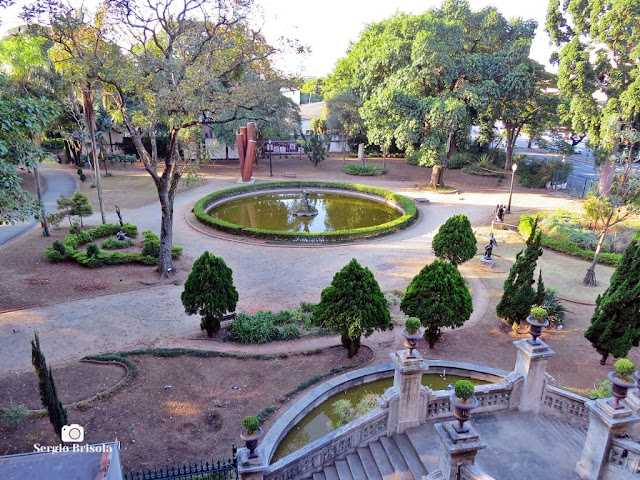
[540, 291]
[48, 392]
[519, 294]
[615, 325]
[353, 305]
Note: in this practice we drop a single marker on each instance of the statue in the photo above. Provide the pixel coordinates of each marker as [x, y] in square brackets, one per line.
[489, 248]
[246, 151]
[121, 235]
[499, 211]
[304, 208]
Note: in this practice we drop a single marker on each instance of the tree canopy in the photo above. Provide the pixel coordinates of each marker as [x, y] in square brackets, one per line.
[422, 79]
[598, 69]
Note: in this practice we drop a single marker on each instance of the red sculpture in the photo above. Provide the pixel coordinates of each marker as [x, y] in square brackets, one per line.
[246, 150]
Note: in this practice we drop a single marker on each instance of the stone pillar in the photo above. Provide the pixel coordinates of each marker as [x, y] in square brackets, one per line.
[604, 423]
[405, 397]
[251, 468]
[457, 448]
[633, 401]
[531, 363]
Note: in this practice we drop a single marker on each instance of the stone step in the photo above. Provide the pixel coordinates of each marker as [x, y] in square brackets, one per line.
[411, 456]
[319, 476]
[331, 473]
[397, 460]
[382, 461]
[355, 465]
[368, 463]
[436, 475]
[564, 432]
[426, 445]
[344, 473]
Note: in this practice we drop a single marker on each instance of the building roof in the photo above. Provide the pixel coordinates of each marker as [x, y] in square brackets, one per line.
[311, 110]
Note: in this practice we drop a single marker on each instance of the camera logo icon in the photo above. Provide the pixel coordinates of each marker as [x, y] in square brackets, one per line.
[72, 433]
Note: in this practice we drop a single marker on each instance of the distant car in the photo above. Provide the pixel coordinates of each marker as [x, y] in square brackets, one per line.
[578, 151]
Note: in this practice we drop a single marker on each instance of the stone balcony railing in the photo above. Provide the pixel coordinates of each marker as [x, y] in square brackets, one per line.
[566, 404]
[624, 459]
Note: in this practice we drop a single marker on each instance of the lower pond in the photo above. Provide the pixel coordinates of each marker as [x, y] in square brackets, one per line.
[319, 421]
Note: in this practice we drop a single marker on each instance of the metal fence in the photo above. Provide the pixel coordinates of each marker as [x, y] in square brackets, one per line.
[573, 185]
[214, 470]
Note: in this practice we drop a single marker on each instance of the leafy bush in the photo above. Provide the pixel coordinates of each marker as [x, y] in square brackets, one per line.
[266, 326]
[464, 389]
[346, 412]
[120, 157]
[83, 177]
[412, 325]
[539, 314]
[290, 332]
[12, 414]
[55, 219]
[112, 243]
[59, 247]
[461, 159]
[363, 169]
[92, 250]
[150, 244]
[555, 310]
[75, 228]
[601, 390]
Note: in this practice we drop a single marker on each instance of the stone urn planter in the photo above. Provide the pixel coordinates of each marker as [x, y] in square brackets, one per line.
[463, 402]
[621, 381]
[251, 434]
[411, 333]
[537, 320]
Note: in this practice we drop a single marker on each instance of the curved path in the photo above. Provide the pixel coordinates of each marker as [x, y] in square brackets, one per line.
[56, 182]
[266, 276]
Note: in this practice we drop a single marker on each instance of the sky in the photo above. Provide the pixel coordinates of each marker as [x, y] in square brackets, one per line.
[327, 26]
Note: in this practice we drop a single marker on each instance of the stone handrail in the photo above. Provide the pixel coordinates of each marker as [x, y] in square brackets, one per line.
[491, 398]
[472, 472]
[624, 455]
[567, 404]
[313, 457]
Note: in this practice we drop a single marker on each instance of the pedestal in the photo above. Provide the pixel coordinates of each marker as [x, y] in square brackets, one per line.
[604, 424]
[487, 262]
[251, 468]
[242, 182]
[531, 363]
[457, 449]
[406, 404]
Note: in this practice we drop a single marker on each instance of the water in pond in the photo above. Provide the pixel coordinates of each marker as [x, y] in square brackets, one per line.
[317, 423]
[274, 211]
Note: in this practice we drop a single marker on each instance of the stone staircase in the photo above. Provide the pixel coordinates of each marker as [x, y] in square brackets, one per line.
[388, 458]
[516, 444]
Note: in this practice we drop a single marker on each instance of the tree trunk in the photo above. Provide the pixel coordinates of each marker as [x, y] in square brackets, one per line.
[606, 175]
[87, 105]
[45, 224]
[529, 143]
[384, 158]
[165, 262]
[590, 277]
[345, 142]
[507, 164]
[435, 175]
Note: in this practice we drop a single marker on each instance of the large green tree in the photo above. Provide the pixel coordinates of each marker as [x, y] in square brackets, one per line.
[209, 292]
[518, 293]
[598, 70]
[439, 297]
[172, 63]
[615, 324]
[455, 240]
[422, 79]
[353, 305]
[46, 385]
[343, 117]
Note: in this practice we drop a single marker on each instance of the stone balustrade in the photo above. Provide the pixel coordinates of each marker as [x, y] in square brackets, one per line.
[313, 457]
[566, 404]
[472, 472]
[624, 459]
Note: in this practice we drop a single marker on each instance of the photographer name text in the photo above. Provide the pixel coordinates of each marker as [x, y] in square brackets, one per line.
[73, 448]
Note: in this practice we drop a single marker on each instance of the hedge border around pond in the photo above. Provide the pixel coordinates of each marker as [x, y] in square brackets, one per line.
[565, 246]
[408, 205]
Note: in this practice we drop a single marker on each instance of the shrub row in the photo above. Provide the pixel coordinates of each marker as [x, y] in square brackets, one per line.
[266, 326]
[564, 245]
[409, 207]
[113, 243]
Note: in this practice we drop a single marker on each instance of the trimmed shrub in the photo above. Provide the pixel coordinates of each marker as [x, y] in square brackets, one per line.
[92, 250]
[365, 170]
[250, 424]
[112, 243]
[464, 389]
[455, 240]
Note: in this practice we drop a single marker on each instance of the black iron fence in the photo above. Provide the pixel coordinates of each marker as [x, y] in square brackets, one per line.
[214, 470]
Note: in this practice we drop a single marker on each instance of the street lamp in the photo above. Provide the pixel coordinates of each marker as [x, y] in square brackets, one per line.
[514, 167]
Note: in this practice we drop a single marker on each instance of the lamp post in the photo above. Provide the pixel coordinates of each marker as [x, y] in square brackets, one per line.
[514, 167]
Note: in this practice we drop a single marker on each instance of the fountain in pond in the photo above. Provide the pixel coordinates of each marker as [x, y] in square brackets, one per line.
[304, 208]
